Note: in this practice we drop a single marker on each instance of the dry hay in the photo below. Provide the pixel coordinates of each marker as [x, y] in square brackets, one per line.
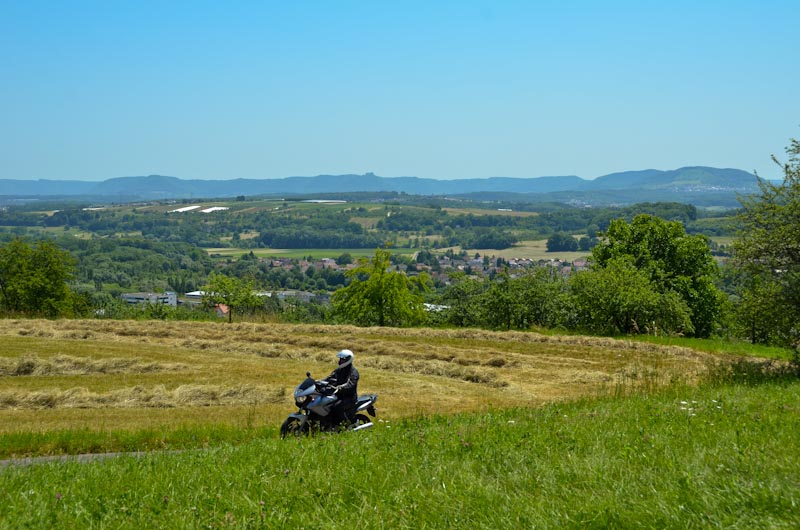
[31, 364]
[478, 366]
[140, 397]
[437, 368]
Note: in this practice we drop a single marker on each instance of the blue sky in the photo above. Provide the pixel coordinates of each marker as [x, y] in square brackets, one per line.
[95, 90]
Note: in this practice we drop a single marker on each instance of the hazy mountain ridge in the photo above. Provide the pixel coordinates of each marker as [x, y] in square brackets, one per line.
[627, 185]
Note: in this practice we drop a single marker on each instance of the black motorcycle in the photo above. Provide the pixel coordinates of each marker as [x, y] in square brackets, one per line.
[318, 410]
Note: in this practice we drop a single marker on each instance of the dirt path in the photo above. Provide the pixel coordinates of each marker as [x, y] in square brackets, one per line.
[84, 458]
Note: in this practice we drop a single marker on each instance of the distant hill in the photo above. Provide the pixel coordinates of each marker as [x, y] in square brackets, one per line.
[697, 185]
[677, 179]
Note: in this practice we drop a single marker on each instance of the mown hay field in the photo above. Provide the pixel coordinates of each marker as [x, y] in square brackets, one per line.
[129, 375]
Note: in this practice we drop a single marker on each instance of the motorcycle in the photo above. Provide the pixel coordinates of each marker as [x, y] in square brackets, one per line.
[316, 403]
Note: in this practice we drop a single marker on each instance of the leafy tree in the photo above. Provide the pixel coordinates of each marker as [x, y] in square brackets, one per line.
[561, 242]
[671, 259]
[463, 300]
[235, 293]
[33, 279]
[495, 239]
[344, 258]
[376, 295]
[620, 298]
[758, 316]
[501, 302]
[543, 297]
[768, 246]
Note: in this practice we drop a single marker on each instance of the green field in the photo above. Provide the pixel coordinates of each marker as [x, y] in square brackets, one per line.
[724, 240]
[716, 457]
[531, 249]
[477, 429]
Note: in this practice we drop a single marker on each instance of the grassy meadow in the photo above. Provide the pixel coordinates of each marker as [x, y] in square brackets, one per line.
[477, 429]
[532, 249]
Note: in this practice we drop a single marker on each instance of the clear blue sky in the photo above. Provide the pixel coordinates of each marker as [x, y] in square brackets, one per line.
[98, 89]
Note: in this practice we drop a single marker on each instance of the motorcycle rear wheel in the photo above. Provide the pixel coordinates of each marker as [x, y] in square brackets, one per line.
[361, 419]
[293, 427]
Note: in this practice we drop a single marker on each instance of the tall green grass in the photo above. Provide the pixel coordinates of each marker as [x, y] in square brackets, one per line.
[27, 444]
[719, 345]
[723, 455]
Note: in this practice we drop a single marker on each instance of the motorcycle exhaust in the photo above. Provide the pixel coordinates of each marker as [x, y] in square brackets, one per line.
[363, 426]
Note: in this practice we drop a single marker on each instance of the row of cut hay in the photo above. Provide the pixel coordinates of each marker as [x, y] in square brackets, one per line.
[310, 336]
[436, 368]
[140, 397]
[31, 364]
[294, 341]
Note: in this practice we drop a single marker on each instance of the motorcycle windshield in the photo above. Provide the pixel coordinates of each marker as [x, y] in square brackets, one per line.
[305, 388]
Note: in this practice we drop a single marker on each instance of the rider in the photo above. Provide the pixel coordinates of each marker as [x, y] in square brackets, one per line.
[345, 381]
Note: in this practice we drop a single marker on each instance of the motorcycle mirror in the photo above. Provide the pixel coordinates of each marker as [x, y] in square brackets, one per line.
[308, 374]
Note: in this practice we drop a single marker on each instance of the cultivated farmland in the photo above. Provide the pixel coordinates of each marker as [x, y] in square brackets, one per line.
[110, 375]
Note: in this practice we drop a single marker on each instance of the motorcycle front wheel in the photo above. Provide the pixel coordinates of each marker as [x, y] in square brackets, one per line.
[293, 427]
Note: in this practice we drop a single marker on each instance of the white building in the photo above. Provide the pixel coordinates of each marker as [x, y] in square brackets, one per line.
[167, 298]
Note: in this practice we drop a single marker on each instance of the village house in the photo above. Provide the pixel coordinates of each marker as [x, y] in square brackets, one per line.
[328, 263]
[222, 310]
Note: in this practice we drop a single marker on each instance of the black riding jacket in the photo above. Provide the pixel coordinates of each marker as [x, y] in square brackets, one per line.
[347, 380]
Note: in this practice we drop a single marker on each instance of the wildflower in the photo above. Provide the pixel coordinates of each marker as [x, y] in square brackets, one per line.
[58, 496]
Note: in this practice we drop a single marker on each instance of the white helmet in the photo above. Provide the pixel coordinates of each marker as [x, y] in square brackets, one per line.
[345, 358]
